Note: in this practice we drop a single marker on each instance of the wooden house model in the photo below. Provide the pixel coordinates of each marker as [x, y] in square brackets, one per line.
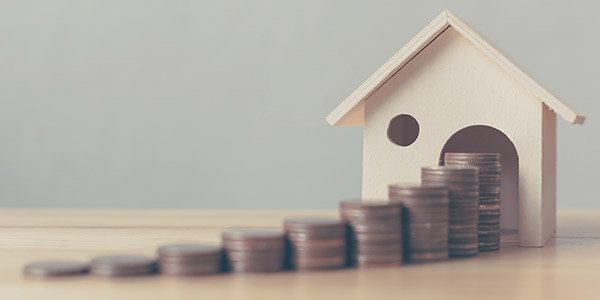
[448, 90]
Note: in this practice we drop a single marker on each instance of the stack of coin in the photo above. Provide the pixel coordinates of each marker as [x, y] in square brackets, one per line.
[189, 259]
[463, 193]
[122, 265]
[55, 268]
[425, 220]
[375, 232]
[254, 250]
[316, 243]
[489, 194]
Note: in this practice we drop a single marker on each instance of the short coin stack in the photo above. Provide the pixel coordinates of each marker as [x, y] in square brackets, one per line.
[316, 243]
[425, 220]
[254, 250]
[189, 259]
[489, 194]
[463, 193]
[55, 268]
[122, 265]
[375, 232]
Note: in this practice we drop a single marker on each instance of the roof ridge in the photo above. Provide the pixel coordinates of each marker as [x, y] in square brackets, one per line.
[435, 28]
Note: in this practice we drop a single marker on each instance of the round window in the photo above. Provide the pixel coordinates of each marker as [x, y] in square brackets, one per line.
[403, 130]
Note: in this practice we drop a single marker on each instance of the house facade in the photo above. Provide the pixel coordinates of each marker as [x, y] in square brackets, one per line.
[450, 91]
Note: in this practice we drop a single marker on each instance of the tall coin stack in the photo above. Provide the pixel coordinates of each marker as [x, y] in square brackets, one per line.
[375, 232]
[190, 259]
[254, 250]
[425, 220]
[489, 194]
[316, 243]
[463, 193]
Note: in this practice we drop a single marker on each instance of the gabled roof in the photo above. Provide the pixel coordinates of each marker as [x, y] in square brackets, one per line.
[351, 111]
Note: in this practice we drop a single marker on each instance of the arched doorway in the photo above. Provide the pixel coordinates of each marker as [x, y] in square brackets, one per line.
[486, 139]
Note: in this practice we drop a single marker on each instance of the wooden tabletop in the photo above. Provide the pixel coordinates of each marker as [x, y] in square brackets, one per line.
[567, 268]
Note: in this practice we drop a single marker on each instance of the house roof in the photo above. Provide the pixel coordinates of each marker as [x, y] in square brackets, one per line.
[351, 111]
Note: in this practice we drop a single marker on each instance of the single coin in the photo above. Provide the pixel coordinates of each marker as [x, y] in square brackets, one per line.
[190, 269]
[191, 252]
[427, 256]
[368, 209]
[253, 239]
[122, 265]
[57, 268]
[254, 245]
[462, 246]
[251, 234]
[418, 190]
[380, 226]
[376, 258]
[369, 265]
[103, 272]
[254, 267]
[312, 223]
[257, 256]
[325, 243]
[463, 253]
[318, 234]
[473, 155]
[122, 262]
[317, 252]
[449, 170]
[318, 262]
[377, 238]
[377, 249]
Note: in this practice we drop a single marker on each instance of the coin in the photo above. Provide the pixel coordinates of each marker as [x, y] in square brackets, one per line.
[189, 269]
[55, 268]
[319, 263]
[463, 192]
[255, 239]
[375, 229]
[122, 265]
[190, 252]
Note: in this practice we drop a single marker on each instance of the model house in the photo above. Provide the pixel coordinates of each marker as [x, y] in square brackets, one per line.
[448, 90]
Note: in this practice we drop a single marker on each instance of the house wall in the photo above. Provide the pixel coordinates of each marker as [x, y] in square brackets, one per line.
[451, 85]
[548, 172]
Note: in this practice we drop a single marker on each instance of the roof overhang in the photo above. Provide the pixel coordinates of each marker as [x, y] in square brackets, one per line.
[351, 111]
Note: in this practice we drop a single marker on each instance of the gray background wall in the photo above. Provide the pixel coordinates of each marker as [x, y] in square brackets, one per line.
[221, 104]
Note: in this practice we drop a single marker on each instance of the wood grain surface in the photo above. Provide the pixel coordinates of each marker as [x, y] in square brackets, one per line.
[567, 268]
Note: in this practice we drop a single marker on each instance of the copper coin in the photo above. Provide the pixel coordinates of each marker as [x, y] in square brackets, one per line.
[368, 209]
[318, 263]
[190, 252]
[107, 272]
[369, 265]
[449, 170]
[377, 249]
[418, 190]
[122, 265]
[255, 239]
[377, 238]
[250, 234]
[427, 256]
[464, 253]
[312, 223]
[318, 234]
[473, 155]
[379, 226]
[258, 256]
[328, 243]
[190, 269]
[377, 258]
[253, 267]
[318, 252]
